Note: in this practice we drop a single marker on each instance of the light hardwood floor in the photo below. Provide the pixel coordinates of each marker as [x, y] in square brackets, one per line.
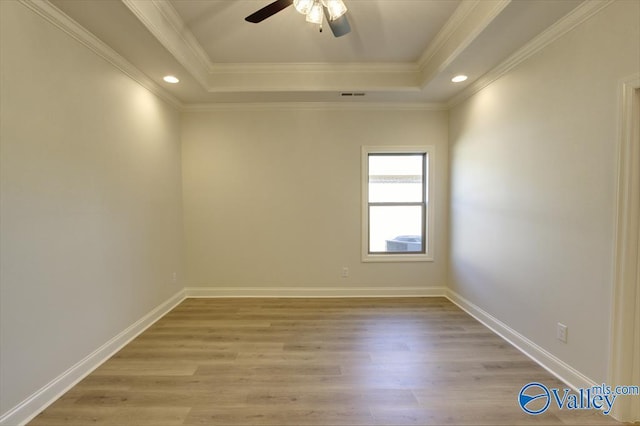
[391, 361]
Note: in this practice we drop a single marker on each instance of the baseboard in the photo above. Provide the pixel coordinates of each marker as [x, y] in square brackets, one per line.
[30, 407]
[315, 292]
[34, 404]
[563, 371]
[545, 359]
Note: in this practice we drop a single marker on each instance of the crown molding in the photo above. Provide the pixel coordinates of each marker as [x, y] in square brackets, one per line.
[187, 37]
[315, 67]
[169, 34]
[574, 18]
[313, 76]
[63, 22]
[466, 27]
[466, 23]
[332, 79]
[314, 106]
[163, 21]
[459, 15]
[189, 42]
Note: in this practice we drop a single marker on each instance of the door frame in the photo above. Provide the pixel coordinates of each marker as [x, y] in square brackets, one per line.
[624, 356]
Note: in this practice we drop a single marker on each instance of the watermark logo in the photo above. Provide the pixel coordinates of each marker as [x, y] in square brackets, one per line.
[535, 398]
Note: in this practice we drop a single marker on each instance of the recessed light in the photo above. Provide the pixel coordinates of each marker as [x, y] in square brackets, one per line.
[459, 78]
[171, 79]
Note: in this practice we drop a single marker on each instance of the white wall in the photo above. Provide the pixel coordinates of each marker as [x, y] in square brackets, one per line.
[272, 196]
[91, 202]
[91, 218]
[533, 178]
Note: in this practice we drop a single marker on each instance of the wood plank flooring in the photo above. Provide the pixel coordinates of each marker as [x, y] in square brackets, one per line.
[391, 361]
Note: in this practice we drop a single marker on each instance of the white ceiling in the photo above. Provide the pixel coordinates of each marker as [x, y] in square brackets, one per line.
[398, 50]
[383, 31]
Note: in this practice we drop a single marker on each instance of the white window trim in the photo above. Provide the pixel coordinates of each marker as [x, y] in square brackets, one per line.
[419, 149]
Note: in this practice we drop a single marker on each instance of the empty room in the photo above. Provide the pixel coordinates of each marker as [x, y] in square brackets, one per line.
[319, 212]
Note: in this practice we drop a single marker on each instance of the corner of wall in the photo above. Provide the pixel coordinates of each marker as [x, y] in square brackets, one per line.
[45, 396]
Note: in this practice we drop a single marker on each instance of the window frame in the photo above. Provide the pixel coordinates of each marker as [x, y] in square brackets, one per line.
[428, 221]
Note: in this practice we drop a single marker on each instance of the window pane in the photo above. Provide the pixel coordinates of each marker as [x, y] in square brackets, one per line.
[395, 178]
[395, 229]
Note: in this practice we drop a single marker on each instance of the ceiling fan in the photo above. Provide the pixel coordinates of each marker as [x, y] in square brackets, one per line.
[315, 10]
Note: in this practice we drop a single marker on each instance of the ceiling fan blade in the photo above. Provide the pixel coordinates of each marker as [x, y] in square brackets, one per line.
[268, 11]
[340, 26]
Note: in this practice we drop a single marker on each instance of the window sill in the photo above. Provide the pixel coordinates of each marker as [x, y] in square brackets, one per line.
[397, 258]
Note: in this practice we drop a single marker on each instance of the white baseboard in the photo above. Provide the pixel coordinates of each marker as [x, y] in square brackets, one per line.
[545, 359]
[34, 404]
[315, 292]
[563, 371]
[30, 407]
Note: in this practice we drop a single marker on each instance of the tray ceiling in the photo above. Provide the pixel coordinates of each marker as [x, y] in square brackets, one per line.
[398, 50]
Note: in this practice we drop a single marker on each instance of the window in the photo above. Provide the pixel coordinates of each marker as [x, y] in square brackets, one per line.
[396, 212]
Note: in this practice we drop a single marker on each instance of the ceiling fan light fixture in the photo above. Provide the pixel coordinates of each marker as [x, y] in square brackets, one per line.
[303, 6]
[315, 13]
[336, 8]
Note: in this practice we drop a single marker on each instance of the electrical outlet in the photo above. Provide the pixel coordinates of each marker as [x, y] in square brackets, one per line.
[345, 272]
[174, 277]
[561, 333]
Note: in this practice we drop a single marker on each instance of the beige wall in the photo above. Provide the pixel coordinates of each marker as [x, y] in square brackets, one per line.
[91, 202]
[533, 179]
[92, 206]
[272, 197]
